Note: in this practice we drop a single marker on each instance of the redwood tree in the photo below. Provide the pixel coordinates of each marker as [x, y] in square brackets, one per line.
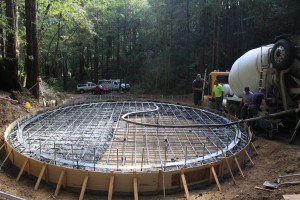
[9, 79]
[32, 48]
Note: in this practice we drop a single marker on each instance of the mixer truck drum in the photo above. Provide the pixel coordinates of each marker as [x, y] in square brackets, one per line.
[282, 54]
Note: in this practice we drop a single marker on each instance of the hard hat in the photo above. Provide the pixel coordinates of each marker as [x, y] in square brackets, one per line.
[27, 105]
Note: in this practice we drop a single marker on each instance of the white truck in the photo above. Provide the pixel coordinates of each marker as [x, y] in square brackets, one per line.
[85, 87]
[114, 85]
[275, 67]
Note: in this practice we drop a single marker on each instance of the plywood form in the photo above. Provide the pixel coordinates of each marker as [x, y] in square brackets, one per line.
[147, 182]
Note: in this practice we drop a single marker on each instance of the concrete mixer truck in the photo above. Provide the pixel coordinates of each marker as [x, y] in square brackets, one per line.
[275, 67]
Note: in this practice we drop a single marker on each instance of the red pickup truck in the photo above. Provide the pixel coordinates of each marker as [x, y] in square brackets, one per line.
[98, 90]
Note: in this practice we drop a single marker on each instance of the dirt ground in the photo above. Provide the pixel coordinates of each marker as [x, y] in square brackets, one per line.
[275, 157]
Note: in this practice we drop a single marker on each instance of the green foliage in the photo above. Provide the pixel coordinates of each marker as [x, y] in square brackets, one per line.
[155, 45]
[55, 83]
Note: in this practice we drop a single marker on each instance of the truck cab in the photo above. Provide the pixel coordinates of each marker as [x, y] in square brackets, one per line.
[222, 78]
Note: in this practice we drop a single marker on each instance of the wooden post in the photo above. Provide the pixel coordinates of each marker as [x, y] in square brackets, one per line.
[62, 174]
[40, 177]
[111, 185]
[254, 148]
[22, 169]
[228, 165]
[135, 187]
[249, 157]
[216, 178]
[184, 184]
[238, 165]
[6, 158]
[3, 145]
[84, 184]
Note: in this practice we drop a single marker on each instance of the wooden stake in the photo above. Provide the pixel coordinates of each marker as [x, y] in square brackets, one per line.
[238, 165]
[11, 100]
[216, 178]
[84, 184]
[111, 185]
[22, 169]
[249, 157]
[264, 189]
[229, 168]
[183, 181]
[254, 148]
[62, 174]
[6, 158]
[135, 187]
[40, 177]
[3, 145]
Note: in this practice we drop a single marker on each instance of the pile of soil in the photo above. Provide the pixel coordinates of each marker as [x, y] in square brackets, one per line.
[275, 157]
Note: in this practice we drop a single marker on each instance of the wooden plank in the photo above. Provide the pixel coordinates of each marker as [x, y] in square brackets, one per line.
[264, 189]
[6, 158]
[62, 174]
[159, 180]
[210, 175]
[84, 184]
[228, 165]
[111, 185]
[222, 168]
[254, 148]
[40, 177]
[249, 157]
[22, 169]
[238, 165]
[216, 178]
[135, 187]
[3, 145]
[291, 196]
[186, 190]
[11, 100]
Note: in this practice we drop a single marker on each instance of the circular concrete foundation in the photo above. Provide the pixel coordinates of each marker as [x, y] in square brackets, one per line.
[151, 142]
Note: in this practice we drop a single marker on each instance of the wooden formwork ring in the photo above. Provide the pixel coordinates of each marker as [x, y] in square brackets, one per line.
[25, 164]
[117, 182]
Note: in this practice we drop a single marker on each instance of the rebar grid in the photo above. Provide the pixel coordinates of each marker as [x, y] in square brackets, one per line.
[94, 137]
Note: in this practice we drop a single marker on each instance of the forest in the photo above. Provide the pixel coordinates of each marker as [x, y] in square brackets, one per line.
[158, 46]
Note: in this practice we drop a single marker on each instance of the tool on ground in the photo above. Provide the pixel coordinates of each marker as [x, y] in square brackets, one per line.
[286, 176]
[273, 185]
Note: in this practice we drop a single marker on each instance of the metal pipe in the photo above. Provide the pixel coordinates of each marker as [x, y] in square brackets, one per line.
[10, 196]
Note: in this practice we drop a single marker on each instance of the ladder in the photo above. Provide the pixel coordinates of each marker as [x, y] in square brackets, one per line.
[263, 72]
[262, 76]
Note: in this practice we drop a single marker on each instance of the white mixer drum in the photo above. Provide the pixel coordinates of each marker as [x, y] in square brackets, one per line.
[246, 70]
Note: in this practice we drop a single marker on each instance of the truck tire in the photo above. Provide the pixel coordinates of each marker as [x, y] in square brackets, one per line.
[234, 110]
[282, 54]
[81, 91]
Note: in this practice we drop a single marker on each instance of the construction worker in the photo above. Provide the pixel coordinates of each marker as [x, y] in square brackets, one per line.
[217, 94]
[197, 86]
[258, 98]
[246, 100]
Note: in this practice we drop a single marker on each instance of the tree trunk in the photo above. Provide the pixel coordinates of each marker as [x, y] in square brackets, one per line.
[53, 64]
[32, 48]
[81, 64]
[9, 73]
[65, 72]
[96, 59]
[1, 35]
